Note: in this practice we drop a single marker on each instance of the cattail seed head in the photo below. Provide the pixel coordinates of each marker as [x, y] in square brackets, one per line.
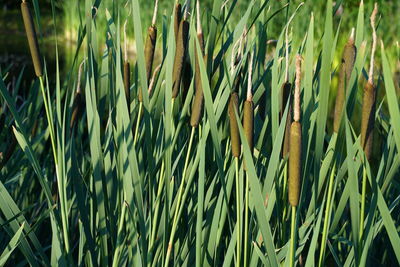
[368, 118]
[197, 107]
[149, 49]
[177, 20]
[235, 138]
[32, 39]
[127, 83]
[286, 91]
[295, 163]
[180, 54]
[346, 67]
[248, 124]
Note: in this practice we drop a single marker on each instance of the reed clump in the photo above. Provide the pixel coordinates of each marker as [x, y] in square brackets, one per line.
[32, 38]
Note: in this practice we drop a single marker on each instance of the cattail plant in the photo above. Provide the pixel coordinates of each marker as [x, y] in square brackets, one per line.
[197, 107]
[32, 38]
[295, 157]
[180, 53]
[369, 98]
[368, 116]
[78, 99]
[346, 67]
[248, 127]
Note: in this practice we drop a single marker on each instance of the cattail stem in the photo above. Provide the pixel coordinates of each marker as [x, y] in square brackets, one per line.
[179, 199]
[363, 193]
[327, 216]
[246, 221]
[292, 237]
[153, 21]
[158, 201]
[238, 212]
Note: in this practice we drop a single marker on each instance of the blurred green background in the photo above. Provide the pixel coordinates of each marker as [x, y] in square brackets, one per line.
[14, 50]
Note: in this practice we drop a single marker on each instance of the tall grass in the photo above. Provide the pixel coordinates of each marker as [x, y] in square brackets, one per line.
[193, 185]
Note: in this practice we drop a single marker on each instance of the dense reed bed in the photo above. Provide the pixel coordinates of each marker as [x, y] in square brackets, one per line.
[125, 162]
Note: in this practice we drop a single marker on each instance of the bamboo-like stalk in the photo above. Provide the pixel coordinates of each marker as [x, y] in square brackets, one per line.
[346, 67]
[32, 39]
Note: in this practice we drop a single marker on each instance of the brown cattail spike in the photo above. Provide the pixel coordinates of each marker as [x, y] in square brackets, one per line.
[248, 124]
[346, 67]
[180, 54]
[32, 39]
[149, 49]
[368, 118]
[235, 138]
[295, 163]
[177, 20]
[198, 97]
[286, 91]
[369, 98]
[127, 83]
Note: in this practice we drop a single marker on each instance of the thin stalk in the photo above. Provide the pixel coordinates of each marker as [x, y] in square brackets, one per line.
[237, 212]
[363, 192]
[138, 123]
[178, 203]
[246, 221]
[200, 208]
[292, 236]
[327, 216]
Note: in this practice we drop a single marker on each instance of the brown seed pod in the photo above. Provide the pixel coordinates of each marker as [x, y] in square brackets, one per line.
[286, 91]
[32, 38]
[149, 49]
[346, 67]
[127, 83]
[197, 107]
[180, 54]
[177, 20]
[368, 118]
[295, 163]
[248, 124]
[77, 109]
[235, 137]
